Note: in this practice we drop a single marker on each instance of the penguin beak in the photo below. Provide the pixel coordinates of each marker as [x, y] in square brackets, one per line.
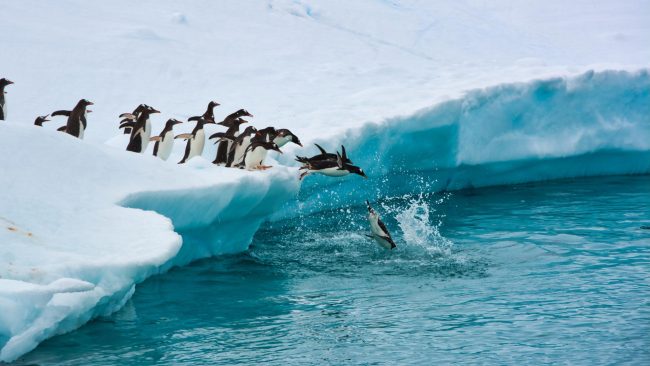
[9, 82]
[155, 111]
[91, 103]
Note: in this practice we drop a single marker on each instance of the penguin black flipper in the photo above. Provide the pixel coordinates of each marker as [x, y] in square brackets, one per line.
[61, 113]
[231, 154]
[155, 148]
[195, 118]
[322, 151]
[222, 153]
[127, 124]
[187, 151]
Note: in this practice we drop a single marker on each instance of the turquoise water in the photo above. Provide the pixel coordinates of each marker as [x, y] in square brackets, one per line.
[532, 274]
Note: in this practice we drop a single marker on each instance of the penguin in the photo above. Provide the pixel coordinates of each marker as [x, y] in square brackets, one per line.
[379, 231]
[195, 140]
[141, 131]
[129, 119]
[324, 155]
[165, 140]
[76, 125]
[209, 113]
[284, 136]
[329, 167]
[232, 121]
[3, 107]
[256, 153]
[40, 120]
[238, 148]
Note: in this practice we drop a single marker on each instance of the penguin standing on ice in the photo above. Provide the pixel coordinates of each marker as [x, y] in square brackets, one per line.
[141, 131]
[256, 153]
[76, 125]
[40, 120]
[339, 167]
[379, 231]
[232, 121]
[165, 141]
[195, 140]
[3, 106]
[209, 113]
[238, 148]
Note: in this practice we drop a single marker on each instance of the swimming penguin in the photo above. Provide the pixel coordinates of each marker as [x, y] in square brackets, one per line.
[379, 231]
[238, 148]
[165, 140]
[3, 107]
[141, 131]
[129, 119]
[329, 167]
[195, 140]
[232, 122]
[284, 136]
[256, 153]
[209, 113]
[40, 120]
[76, 125]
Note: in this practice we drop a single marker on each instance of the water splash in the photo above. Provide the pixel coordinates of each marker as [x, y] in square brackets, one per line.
[418, 227]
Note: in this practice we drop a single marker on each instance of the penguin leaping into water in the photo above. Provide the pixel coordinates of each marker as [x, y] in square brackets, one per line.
[76, 125]
[40, 120]
[379, 231]
[195, 140]
[141, 131]
[165, 140]
[3, 107]
[324, 155]
[340, 167]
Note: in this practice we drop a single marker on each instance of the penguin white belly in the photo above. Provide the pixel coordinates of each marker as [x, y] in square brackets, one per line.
[377, 233]
[196, 144]
[255, 158]
[240, 150]
[146, 135]
[81, 130]
[332, 172]
[166, 145]
[3, 109]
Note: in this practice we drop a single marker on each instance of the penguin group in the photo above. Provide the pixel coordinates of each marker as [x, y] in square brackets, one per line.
[245, 150]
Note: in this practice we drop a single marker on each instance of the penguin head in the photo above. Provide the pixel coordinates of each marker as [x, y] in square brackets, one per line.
[151, 110]
[249, 131]
[213, 104]
[273, 146]
[84, 103]
[41, 119]
[4, 82]
[243, 113]
[171, 122]
[355, 170]
[283, 132]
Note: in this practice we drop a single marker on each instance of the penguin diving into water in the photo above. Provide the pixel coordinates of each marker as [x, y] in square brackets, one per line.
[3, 107]
[325, 165]
[140, 131]
[256, 153]
[232, 122]
[195, 140]
[165, 140]
[379, 231]
[76, 125]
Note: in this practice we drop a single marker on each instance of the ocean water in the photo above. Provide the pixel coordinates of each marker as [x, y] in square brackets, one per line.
[545, 273]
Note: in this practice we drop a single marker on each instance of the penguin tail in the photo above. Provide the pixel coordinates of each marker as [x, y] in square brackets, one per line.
[61, 129]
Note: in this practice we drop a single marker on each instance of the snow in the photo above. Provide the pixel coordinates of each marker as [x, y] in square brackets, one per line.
[82, 222]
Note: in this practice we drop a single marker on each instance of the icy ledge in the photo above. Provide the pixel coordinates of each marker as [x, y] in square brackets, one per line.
[69, 252]
[595, 124]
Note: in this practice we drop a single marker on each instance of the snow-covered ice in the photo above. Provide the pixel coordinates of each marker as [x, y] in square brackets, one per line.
[82, 222]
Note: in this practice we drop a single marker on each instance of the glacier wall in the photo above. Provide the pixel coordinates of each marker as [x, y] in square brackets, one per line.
[595, 124]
